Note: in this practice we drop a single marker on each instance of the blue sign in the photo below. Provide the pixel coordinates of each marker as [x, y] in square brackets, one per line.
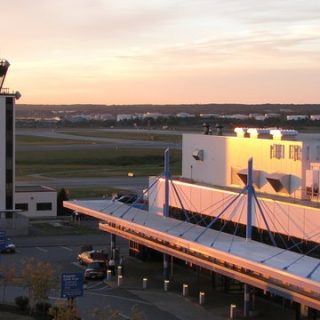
[3, 240]
[71, 285]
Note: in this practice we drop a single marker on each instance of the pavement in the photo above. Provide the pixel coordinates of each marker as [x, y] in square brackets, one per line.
[217, 303]
[170, 304]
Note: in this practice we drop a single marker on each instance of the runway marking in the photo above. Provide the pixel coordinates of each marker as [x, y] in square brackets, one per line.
[66, 248]
[41, 249]
[96, 285]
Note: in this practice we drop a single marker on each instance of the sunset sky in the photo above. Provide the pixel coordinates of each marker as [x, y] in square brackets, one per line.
[162, 51]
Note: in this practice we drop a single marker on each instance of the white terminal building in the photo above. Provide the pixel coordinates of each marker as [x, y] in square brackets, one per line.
[286, 177]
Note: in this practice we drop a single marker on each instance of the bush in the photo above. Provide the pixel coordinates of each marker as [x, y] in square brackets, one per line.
[22, 302]
[42, 308]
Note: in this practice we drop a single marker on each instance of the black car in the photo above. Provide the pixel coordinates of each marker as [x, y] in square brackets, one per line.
[95, 270]
[127, 197]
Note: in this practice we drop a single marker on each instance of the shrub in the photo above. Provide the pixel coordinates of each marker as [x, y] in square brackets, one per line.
[42, 308]
[22, 302]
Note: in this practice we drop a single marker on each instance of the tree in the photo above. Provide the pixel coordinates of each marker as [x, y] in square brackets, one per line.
[62, 196]
[39, 278]
[8, 276]
[64, 310]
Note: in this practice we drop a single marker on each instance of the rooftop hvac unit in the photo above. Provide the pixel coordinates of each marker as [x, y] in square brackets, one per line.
[279, 182]
[198, 154]
[243, 175]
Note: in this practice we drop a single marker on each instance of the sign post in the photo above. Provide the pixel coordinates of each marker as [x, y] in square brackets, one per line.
[71, 285]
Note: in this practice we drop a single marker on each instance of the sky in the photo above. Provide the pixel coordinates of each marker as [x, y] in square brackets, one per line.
[162, 51]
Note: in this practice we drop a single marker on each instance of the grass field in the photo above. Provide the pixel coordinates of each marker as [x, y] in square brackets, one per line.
[147, 136]
[94, 163]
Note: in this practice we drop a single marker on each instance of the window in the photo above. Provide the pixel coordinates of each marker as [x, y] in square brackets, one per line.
[22, 206]
[295, 153]
[44, 206]
[277, 151]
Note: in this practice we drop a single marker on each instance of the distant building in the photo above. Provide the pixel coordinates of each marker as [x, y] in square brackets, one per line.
[237, 116]
[296, 117]
[104, 117]
[272, 115]
[184, 115]
[155, 115]
[315, 117]
[209, 115]
[123, 117]
[257, 116]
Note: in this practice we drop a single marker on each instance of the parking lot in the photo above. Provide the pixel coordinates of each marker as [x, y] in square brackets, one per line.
[154, 302]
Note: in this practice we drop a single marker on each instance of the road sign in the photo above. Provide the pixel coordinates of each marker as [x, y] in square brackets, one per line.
[3, 239]
[71, 285]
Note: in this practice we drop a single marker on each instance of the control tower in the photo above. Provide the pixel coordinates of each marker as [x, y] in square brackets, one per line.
[7, 143]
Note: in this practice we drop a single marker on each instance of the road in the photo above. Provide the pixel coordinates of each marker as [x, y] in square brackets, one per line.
[126, 183]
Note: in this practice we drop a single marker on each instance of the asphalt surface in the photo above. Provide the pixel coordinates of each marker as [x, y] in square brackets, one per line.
[89, 142]
[155, 303]
[126, 183]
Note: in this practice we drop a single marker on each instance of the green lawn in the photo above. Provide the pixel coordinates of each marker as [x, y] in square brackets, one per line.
[94, 163]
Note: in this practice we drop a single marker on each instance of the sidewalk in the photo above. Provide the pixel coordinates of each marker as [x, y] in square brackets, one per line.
[216, 306]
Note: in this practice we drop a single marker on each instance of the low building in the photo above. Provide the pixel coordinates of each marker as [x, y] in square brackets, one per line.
[36, 201]
[272, 115]
[237, 116]
[296, 117]
[185, 115]
[124, 116]
[315, 117]
[257, 116]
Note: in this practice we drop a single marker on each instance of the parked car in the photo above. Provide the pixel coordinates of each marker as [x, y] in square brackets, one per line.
[9, 247]
[87, 257]
[127, 197]
[95, 270]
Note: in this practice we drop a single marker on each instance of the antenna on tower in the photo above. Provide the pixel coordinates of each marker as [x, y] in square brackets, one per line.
[4, 65]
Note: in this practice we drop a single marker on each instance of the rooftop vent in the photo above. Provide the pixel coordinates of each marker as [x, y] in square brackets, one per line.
[219, 128]
[278, 134]
[275, 133]
[198, 154]
[241, 132]
[206, 128]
